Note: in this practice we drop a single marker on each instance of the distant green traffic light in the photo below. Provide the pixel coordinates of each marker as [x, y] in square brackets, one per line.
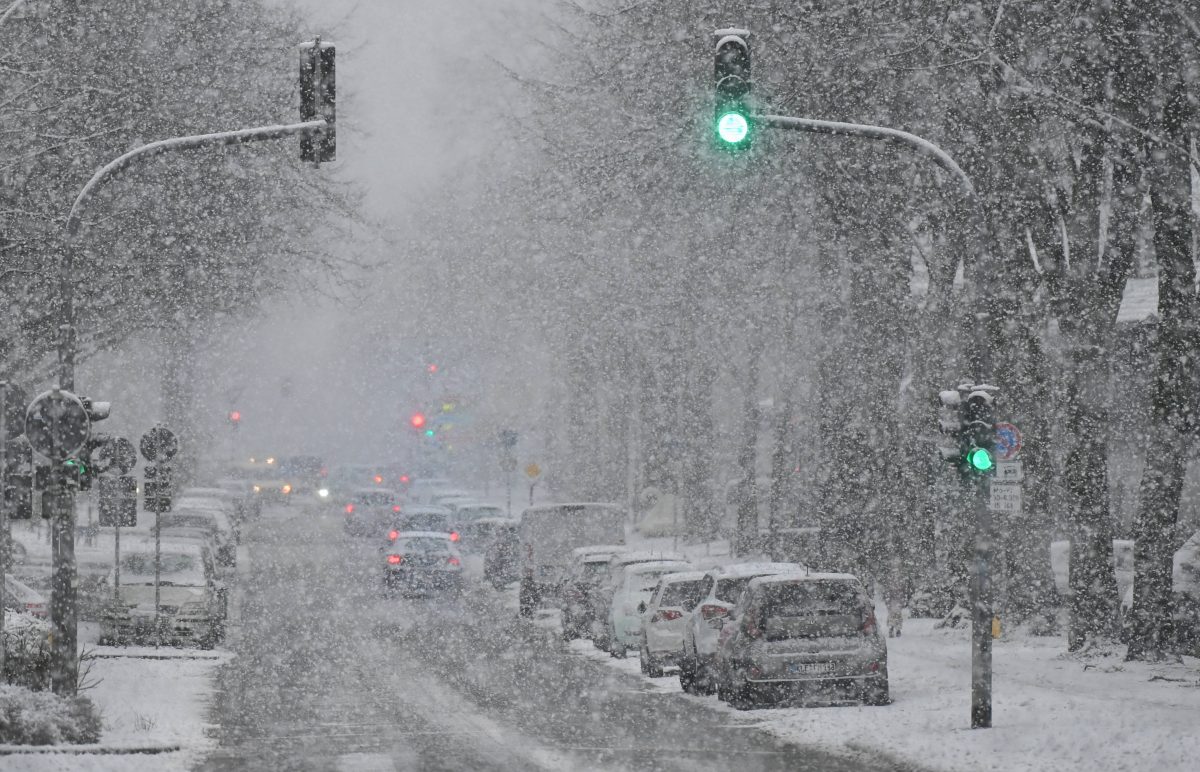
[980, 460]
[429, 432]
[733, 128]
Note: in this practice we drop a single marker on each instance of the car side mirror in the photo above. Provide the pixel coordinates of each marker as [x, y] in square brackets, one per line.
[642, 607]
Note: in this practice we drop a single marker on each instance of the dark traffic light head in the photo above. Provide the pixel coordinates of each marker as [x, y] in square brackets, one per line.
[733, 120]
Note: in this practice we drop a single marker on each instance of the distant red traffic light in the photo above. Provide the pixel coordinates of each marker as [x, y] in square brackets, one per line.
[431, 368]
[417, 420]
[235, 415]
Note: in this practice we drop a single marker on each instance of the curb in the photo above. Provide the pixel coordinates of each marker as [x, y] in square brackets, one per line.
[103, 750]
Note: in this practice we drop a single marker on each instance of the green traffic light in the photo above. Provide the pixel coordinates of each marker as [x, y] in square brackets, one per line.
[733, 128]
[429, 432]
[980, 459]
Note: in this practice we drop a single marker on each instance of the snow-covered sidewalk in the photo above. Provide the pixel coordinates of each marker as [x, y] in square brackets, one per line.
[1052, 711]
[154, 709]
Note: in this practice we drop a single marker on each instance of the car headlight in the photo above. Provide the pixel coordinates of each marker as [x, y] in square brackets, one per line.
[323, 493]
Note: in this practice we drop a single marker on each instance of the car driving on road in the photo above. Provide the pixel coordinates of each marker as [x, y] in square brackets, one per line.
[800, 633]
[368, 511]
[587, 571]
[549, 533]
[421, 562]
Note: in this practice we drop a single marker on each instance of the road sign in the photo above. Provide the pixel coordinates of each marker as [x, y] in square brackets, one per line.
[118, 500]
[159, 444]
[1009, 472]
[508, 438]
[117, 456]
[1008, 441]
[1006, 498]
[57, 424]
[533, 471]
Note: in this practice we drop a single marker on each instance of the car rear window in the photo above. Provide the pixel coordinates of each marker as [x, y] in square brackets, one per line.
[422, 544]
[684, 595]
[373, 499]
[729, 590]
[423, 523]
[811, 609]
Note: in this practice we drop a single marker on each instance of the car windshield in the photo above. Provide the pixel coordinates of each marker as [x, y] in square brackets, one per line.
[683, 595]
[171, 564]
[729, 590]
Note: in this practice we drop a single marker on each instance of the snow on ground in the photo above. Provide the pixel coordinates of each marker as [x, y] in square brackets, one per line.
[152, 702]
[1051, 710]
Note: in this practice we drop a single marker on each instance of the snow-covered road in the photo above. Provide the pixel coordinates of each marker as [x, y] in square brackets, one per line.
[327, 675]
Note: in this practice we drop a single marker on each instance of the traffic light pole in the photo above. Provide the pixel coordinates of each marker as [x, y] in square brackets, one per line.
[63, 608]
[980, 589]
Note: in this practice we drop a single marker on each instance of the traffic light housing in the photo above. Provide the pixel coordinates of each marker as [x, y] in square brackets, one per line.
[318, 99]
[733, 121]
[950, 425]
[18, 480]
[978, 438]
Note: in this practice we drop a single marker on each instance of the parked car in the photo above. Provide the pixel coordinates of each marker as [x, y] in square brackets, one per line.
[600, 596]
[663, 619]
[421, 562]
[500, 563]
[19, 596]
[549, 533]
[587, 570]
[192, 605]
[476, 523]
[799, 632]
[213, 523]
[703, 625]
[630, 593]
[422, 517]
[369, 511]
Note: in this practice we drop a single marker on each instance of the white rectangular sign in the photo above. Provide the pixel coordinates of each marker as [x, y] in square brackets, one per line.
[1006, 498]
[1009, 472]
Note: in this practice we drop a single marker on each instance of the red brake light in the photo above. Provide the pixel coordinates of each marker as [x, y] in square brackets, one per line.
[452, 560]
[710, 611]
[404, 479]
[378, 479]
[454, 536]
[393, 535]
[666, 615]
[349, 509]
[395, 507]
[868, 625]
[394, 559]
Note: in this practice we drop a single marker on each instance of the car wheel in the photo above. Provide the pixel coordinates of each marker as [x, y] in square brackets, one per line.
[687, 680]
[643, 661]
[615, 647]
[653, 669]
[876, 692]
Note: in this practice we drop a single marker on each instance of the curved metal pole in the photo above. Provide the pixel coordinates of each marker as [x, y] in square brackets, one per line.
[239, 137]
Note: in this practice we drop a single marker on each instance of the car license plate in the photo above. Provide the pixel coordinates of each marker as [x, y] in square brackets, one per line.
[810, 668]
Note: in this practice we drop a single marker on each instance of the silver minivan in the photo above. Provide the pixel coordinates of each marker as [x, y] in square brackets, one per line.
[798, 633]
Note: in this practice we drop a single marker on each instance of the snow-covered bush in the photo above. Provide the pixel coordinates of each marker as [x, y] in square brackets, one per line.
[43, 718]
[26, 642]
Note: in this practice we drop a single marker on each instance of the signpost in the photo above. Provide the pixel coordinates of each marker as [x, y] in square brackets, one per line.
[533, 472]
[1006, 493]
[158, 445]
[118, 496]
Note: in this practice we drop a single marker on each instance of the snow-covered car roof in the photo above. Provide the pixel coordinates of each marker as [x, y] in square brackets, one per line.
[643, 556]
[656, 567]
[738, 570]
[683, 576]
[598, 549]
[423, 509]
[511, 522]
[786, 578]
[212, 493]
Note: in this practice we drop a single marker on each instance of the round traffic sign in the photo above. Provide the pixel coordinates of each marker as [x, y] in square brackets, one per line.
[159, 444]
[117, 456]
[533, 471]
[1008, 441]
[57, 424]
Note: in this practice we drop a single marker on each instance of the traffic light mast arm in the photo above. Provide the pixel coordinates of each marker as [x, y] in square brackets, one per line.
[981, 355]
[238, 137]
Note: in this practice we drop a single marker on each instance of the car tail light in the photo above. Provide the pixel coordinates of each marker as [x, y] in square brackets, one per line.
[666, 615]
[868, 625]
[454, 536]
[710, 611]
[349, 509]
[873, 667]
[393, 535]
[752, 628]
[394, 560]
[395, 507]
[452, 560]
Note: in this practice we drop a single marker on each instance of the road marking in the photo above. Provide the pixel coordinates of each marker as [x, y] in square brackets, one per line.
[371, 762]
